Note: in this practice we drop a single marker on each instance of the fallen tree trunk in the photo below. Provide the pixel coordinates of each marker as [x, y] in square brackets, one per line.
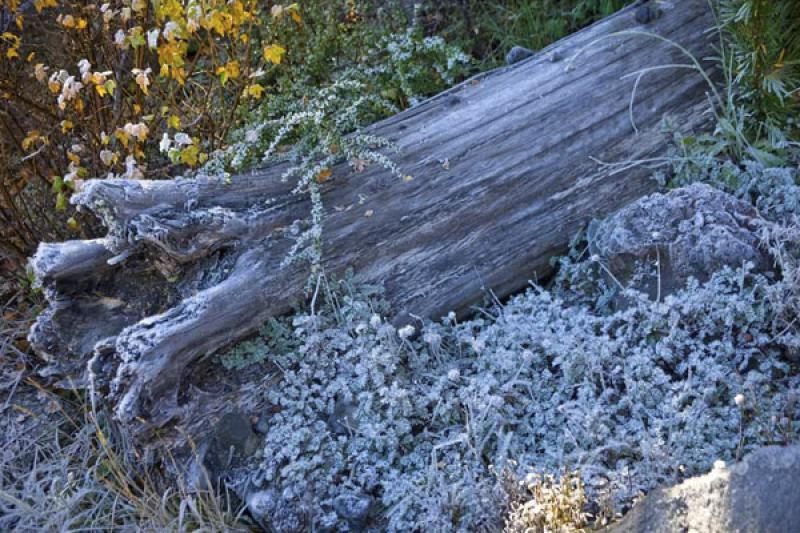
[504, 173]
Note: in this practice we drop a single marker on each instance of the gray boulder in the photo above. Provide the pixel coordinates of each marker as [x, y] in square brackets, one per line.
[761, 494]
[660, 241]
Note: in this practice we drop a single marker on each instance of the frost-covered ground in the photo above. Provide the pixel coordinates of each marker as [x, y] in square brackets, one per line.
[406, 429]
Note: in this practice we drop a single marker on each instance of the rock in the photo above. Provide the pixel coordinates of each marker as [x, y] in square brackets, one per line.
[342, 420]
[647, 12]
[262, 424]
[269, 509]
[353, 508]
[761, 494]
[232, 443]
[693, 232]
[262, 504]
[517, 54]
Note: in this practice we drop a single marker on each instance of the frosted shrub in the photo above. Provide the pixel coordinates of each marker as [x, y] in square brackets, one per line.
[416, 427]
[412, 67]
[315, 128]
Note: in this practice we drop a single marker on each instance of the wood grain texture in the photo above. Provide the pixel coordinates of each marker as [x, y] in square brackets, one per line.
[504, 171]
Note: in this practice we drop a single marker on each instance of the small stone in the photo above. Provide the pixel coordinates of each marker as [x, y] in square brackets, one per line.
[517, 54]
[232, 442]
[262, 503]
[353, 508]
[262, 425]
[646, 13]
[341, 421]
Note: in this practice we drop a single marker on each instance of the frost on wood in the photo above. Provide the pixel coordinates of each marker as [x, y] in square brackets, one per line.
[504, 172]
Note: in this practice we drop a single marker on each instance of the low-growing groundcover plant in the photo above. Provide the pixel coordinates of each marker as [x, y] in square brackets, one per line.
[408, 429]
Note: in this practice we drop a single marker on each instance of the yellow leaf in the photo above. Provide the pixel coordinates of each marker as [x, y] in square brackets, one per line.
[122, 136]
[66, 125]
[324, 175]
[74, 158]
[20, 20]
[174, 122]
[41, 4]
[189, 155]
[179, 75]
[30, 57]
[274, 53]
[255, 90]
[142, 79]
[30, 139]
[73, 224]
[12, 53]
[101, 90]
[81, 23]
[233, 69]
[54, 86]
[223, 75]
[109, 86]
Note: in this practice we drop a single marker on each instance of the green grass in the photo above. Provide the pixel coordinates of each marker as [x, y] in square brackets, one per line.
[488, 30]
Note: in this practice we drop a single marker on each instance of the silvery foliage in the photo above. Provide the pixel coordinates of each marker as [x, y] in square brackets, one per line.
[409, 62]
[551, 380]
[324, 126]
[312, 137]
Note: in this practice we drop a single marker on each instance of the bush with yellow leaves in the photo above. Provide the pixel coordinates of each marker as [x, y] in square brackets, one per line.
[126, 88]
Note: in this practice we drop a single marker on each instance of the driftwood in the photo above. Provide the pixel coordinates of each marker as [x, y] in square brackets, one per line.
[505, 171]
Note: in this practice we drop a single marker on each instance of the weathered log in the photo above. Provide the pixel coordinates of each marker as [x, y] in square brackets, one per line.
[505, 171]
